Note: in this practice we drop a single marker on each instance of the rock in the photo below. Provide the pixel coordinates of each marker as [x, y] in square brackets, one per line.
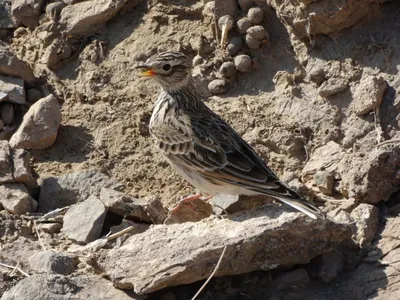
[225, 7]
[368, 95]
[234, 46]
[252, 42]
[228, 69]
[243, 63]
[50, 227]
[84, 221]
[327, 266]
[81, 18]
[260, 239]
[245, 5]
[155, 209]
[130, 207]
[325, 158]
[373, 177]
[332, 87]
[53, 9]
[298, 278]
[243, 24]
[52, 262]
[223, 203]
[255, 15]
[22, 171]
[5, 163]
[367, 219]
[14, 88]
[40, 125]
[317, 75]
[324, 182]
[197, 60]
[68, 189]
[16, 199]
[218, 86]
[55, 286]
[6, 19]
[27, 11]
[33, 95]
[7, 113]
[258, 32]
[11, 65]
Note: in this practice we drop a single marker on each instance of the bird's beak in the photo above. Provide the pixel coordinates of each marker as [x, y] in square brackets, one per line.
[145, 70]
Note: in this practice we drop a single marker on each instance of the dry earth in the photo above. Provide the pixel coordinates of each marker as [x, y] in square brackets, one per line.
[320, 104]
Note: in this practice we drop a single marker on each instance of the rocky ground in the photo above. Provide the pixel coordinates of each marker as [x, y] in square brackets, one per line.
[85, 198]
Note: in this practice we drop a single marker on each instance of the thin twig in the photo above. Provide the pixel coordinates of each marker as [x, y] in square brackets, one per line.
[39, 238]
[15, 268]
[53, 212]
[120, 233]
[212, 274]
[389, 142]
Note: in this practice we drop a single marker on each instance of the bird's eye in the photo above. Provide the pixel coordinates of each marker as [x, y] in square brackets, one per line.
[166, 67]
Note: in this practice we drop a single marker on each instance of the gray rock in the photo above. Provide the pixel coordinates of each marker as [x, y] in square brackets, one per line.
[262, 239]
[225, 7]
[298, 278]
[14, 88]
[52, 287]
[258, 32]
[33, 95]
[16, 199]
[84, 221]
[130, 207]
[68, 189]
[27, 11]
[218, 86]
[324, 182]
[50, 227]
[367, 219]
[11, 65]
[7, 113]
[84, 17]
[22, 171]
[245, 5]
[252, 42]
[243, 63]
[255, 15]
[6, 19]
[234, 46]
[368, 94]
[243, 24]
[40, 125]
[5, 163]
[332, 87]
[317, 75]
[54, 9]
[222, 203]
[228, 69]
[52, 262]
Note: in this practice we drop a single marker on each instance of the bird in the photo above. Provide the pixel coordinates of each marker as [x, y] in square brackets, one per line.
[203, 148]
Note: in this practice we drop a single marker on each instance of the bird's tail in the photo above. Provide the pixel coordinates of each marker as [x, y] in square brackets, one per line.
[303, 206]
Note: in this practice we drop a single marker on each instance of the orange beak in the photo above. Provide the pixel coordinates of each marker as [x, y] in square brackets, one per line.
[146, 71]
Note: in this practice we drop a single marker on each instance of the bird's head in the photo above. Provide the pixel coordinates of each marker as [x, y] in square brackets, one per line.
[172, 70]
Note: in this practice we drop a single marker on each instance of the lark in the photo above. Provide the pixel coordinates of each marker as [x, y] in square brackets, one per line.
[203, 148]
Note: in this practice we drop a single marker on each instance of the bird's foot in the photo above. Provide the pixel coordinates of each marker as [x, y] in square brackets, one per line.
[189, 201]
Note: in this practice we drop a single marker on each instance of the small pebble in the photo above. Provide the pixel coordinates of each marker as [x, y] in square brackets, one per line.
[252, 43]
[228, 69]
[218, 86]
[245, 5]
[33, 95]
[258, 32]
[255, 15]
[243, 24]
[7, 113]
[243, 63]
[197, 60]
[234, 46]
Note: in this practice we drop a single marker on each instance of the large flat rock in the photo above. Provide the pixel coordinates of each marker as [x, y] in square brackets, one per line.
[263, 239]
